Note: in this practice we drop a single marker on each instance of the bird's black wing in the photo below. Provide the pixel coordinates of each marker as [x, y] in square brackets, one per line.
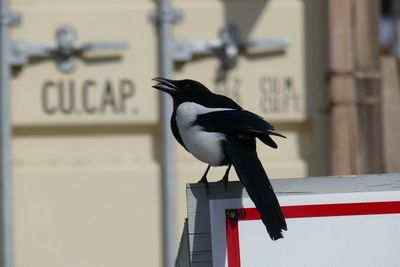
[242, 153]
[238, 122]
[220, 101]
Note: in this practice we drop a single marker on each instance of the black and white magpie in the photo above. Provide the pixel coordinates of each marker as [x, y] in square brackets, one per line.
[217, 131]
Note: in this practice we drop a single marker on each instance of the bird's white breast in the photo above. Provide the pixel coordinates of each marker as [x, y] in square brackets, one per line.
[205, 146]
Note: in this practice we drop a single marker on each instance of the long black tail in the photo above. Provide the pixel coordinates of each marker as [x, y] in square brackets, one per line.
[242, 153]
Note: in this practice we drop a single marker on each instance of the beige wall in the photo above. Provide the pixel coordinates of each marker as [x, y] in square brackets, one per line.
[87, 185]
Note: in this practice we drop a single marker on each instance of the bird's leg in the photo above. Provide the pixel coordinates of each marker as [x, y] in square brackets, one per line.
[226, 176]
[204, 179]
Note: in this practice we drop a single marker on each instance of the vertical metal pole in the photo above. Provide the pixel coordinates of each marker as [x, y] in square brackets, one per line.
[168, 153]
[5, 139]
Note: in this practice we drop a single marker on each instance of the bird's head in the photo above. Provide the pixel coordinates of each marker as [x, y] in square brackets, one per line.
[182, 90]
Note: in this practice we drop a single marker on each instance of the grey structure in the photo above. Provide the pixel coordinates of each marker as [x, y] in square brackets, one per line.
[195, 247]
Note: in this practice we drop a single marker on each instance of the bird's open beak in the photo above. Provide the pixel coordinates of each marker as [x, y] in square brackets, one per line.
[165, 85]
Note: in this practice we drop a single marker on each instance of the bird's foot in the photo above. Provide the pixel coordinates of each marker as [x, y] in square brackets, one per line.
[225, 181]
[226, 176]
[205, 182]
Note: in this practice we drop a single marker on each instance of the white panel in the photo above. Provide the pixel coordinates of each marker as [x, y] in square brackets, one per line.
[367, 240]
[363, 240]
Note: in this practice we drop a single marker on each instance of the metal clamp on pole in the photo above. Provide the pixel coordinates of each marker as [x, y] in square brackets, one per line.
[9, 18]
[64, 51]
[227, 47]
[173, 16]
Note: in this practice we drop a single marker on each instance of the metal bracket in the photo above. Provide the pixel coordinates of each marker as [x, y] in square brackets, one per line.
[64, 51]
[10, 18]
[227, 47]
[173, 16]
